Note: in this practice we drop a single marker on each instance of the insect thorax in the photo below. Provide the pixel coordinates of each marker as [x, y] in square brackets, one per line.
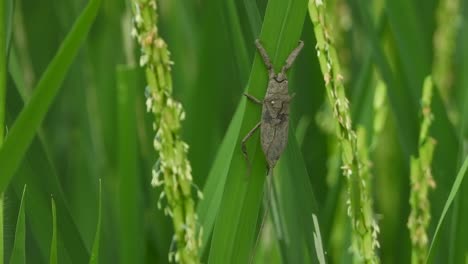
[277, 88]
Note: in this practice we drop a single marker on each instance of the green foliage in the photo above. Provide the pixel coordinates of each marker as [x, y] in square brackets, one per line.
[422, 181]
[131, 226]
[18, 254]
[354, 150]
[24, 128]
[94, 259]
[53, 259]
[73, 111]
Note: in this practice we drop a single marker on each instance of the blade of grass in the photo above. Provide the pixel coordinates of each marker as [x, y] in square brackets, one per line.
[214, 45]
[94, 259]
[53, 243]
[23, 130]
[400, 98]
[1, 229]
[234, 231]
[18, 255]
[296, 205]
[238, 39]
[458, 229]
[3, 64]
[253, 16]
[10, 7]
[40, 189]
[318, 241]
[453, 192]
[208, 208]
[214, 186]
[413, 51]
[132, 235]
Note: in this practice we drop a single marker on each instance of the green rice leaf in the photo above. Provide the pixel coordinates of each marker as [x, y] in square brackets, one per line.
[24, 128]
[53, 244]
[18, 255]
[296, 203]
[453, 192]
[235, 226]
[208, 208]
[94, 259]
[132, 248]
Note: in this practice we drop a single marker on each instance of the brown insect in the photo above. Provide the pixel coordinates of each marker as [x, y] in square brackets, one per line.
[275, 111]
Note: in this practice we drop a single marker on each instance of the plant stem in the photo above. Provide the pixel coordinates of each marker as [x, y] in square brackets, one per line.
[422, 182]
[364, 228]
[173, 169]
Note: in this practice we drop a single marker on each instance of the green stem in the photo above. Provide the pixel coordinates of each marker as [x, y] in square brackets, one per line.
[364, 228]
[173, 170]
[422, 182]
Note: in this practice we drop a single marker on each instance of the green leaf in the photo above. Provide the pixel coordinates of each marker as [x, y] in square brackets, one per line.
[53, 243]
[18, 255]
[318, 241]
[208, 208]
[132, 247]
[38, 159]
[242, 56]
[400, 97]
[94, 259]
[234, 231]
[296, 205]
[2, 250]
[204, 128]
[4, 39]
[253, 16]
[453, 192]
[459, 230]
[24, 129]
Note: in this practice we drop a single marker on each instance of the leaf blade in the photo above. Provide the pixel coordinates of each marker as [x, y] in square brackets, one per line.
[18, 255]
[23, 130]
[53, 244]
[94, 258]
[234, 231]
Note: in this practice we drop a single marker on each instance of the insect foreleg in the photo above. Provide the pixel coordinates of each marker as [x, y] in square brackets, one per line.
[253, 99]
[244, 147]
[292, 57]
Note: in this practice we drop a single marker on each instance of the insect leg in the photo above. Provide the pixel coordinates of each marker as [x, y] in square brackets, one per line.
[292, 57]
[265, 57]
[253, 99]
[244, 147]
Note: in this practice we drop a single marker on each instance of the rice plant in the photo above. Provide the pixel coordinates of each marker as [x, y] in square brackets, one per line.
[121, 125]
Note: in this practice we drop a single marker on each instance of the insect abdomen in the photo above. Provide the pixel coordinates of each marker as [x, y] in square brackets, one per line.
[274, 135]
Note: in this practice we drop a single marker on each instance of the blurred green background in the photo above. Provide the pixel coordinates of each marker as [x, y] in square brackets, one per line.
[98, 128]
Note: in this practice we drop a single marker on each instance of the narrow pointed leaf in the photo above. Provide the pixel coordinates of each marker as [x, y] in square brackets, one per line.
[24, 128]
[94, 259]
[18, 256]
